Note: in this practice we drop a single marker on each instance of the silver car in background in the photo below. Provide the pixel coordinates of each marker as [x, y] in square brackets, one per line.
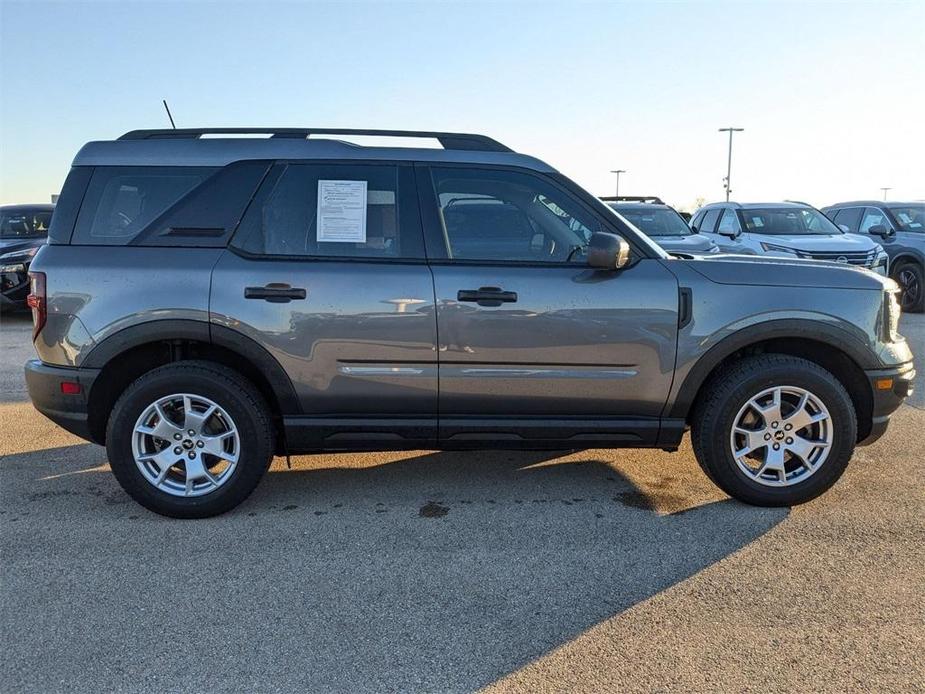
[786, 229]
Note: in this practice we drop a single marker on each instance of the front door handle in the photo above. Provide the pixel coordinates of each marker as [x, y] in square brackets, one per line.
[487, 296]
[275, 293]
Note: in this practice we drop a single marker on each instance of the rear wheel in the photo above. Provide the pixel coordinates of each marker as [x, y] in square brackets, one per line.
[189, 439]
[909, 277]
[774, 430]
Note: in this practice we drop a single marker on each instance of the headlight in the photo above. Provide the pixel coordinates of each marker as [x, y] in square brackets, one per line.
[891, 316]
[881, 259]
[20, 255]
[778, 249]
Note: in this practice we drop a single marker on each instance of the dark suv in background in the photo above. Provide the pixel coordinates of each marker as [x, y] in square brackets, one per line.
[23, 229]
[900, 228]
[662, 223]
[204, 303]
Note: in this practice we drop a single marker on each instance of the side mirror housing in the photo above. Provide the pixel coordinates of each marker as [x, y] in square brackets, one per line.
[881, 230]
[608, 251]
[695, 229]
[730, 234]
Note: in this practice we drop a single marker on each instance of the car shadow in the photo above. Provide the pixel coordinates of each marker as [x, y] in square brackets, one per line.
[433, 571]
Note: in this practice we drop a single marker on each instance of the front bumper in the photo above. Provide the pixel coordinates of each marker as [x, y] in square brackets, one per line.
[69, 411]
[890, 387]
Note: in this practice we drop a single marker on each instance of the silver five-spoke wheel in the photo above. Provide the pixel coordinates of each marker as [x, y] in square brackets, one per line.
[186, 445]
[781, 436]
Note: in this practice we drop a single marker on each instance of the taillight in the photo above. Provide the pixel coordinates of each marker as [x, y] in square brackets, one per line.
[37, 301]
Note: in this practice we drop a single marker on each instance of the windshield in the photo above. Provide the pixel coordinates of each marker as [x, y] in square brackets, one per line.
[24, 224]
[787, 220]
[655, 222]
[909, 217]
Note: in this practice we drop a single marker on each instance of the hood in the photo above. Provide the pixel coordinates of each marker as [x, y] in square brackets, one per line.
[10, 245]
[693, 243]
[848, 243]
[783, 272]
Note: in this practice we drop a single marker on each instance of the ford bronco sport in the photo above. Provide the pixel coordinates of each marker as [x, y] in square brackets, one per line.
[205, 302]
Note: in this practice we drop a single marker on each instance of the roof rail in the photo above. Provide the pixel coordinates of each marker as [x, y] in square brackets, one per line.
[460, 141]
[798, 202]
[651, 199]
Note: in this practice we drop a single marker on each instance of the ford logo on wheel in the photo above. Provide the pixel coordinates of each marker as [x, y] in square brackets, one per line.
[841, 259]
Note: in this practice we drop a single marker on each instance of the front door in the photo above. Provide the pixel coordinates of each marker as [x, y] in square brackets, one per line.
[327, 273]
[533, 344]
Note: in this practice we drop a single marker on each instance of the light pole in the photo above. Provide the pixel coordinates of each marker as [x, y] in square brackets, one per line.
[618, 172]
[729, 161]
[884, 192]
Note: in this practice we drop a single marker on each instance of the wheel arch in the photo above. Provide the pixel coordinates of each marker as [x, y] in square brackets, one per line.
[133, 351]
[832, 348]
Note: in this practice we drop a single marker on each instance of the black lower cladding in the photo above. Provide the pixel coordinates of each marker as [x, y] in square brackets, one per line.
[890, 387]
[67, 410]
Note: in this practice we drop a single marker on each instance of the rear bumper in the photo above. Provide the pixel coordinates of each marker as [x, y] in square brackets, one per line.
[890, 387]
[69, 411]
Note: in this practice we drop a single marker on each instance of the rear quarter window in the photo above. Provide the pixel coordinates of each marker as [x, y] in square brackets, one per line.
[122, 200]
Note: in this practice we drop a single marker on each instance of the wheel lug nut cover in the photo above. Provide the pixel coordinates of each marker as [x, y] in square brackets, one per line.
[200, 444]
[177, 437]
[178, 450]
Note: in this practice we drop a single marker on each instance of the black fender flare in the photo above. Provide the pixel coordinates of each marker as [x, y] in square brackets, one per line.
[200, 331]
[838, 339]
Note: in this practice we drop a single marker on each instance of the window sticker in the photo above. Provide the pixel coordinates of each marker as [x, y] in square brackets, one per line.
[341, 211]
[758, 221]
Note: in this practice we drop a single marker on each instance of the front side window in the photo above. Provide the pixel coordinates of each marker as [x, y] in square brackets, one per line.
[656, 221]
[729, 224]
[122, 200]
[873, 217]
[849, 219]
[709, 220]
[909, 217]
[330, 211]
[499, 215]
[782, 221]
[24, 223]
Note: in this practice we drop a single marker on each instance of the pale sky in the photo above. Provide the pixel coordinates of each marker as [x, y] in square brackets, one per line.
[831, 95]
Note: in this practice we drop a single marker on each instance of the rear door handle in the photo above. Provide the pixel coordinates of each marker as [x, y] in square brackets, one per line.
[275, 293]
[487, 296]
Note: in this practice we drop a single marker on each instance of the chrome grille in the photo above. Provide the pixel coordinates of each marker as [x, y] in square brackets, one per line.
[862, 258]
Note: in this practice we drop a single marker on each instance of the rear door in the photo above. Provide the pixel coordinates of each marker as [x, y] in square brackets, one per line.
[327, 273]
[533, 344]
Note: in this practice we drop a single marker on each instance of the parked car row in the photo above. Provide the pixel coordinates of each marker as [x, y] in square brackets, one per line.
[206, 302]
[23, 230]
[885, 237]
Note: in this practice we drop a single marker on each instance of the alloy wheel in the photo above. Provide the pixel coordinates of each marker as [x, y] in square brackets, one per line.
[781, 436]
[186, 445]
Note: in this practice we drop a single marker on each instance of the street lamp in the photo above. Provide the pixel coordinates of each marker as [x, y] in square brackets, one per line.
[728, 182]
[884, 192]
[618, 172]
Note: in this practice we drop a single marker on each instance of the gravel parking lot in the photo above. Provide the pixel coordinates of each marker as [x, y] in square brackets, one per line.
[428, 571]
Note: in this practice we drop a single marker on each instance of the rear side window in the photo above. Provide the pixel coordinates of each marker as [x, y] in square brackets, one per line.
[122, 200]
[334, 211]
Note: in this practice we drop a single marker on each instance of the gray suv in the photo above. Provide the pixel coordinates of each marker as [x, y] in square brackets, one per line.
[204, 303]
[900, 227]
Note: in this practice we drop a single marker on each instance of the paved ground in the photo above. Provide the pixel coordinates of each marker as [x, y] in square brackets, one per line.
[596, 571]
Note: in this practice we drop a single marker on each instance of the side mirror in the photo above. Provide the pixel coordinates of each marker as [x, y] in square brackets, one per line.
[881, 230]
[730, 234]
[695, 229]
[608, 251]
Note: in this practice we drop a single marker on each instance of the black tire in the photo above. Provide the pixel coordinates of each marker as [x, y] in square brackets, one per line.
[728, 391]
[225, 387]
[911, 279]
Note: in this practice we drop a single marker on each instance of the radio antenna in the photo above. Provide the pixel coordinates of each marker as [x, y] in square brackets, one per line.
[167, 108]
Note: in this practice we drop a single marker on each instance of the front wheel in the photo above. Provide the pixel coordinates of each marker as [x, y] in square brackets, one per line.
[189, 439]
[774, 430]
[909, 277]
